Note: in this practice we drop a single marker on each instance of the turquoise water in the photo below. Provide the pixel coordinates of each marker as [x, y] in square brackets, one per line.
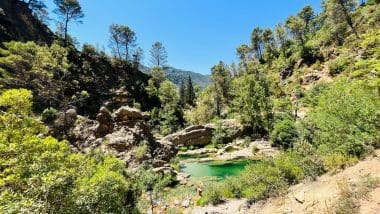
[216, 169]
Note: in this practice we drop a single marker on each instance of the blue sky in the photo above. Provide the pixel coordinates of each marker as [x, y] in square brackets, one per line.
[196, 33]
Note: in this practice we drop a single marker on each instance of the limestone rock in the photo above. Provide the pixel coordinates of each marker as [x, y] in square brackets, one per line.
[105, 122]
[126, 113]
[191, 136]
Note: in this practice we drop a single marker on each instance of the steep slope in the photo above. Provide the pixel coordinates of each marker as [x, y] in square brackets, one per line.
[313, 197]
[177, 75]
[17, 23]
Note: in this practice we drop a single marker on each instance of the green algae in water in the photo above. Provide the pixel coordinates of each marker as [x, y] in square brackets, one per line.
[217, 169]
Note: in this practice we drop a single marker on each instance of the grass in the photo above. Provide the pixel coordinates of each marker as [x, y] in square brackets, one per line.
[350, 195]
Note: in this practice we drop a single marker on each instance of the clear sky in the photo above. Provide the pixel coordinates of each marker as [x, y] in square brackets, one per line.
[196, 33]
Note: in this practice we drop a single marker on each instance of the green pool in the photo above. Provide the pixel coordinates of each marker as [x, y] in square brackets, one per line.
[213, 169]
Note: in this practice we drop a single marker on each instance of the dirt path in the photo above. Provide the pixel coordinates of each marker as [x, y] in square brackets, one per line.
[311, 197]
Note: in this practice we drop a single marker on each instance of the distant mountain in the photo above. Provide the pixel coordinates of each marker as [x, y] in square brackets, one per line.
[176, 75]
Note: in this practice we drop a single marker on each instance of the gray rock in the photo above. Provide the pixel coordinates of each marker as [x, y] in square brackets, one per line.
[105, 123]
[185, 203]
[191, 136]
[126, 113]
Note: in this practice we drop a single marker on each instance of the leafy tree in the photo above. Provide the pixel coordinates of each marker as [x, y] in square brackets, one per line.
[68, 10]
[307, 15]
[38, 8]
[257, 42]
[269, 45]
[158, 55]
[338, 12]
[221, 80]
[251, 100]
[296, 27]
[244, 53]
[281, 38]
[203, 112]
[122, 41]
[157, 76]
[169, 107]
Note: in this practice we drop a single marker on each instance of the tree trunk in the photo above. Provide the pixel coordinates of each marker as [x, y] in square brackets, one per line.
[66, 24]
[348, 19]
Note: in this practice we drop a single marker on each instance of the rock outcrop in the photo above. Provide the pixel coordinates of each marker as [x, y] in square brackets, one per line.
[200, 135]
[124, 134]
[191, 136]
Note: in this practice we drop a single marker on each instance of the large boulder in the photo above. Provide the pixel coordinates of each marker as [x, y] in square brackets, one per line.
[126, 113]
[191, 136]
[105, 122]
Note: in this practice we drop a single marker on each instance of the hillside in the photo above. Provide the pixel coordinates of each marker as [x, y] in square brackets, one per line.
[291, 127]
[177, 75]
[17, 23]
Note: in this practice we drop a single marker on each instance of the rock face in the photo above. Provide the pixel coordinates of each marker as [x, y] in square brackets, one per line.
[124, 134]
[105, 122]
[201, 135]
[191, 136]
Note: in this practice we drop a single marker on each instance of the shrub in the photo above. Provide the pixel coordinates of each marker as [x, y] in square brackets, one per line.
[284, 133]
[49, 114]
[140, 151]
[212, 194]
[338, 65]
[345, 119]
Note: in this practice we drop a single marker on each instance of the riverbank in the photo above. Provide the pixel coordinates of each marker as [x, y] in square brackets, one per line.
[318, 196]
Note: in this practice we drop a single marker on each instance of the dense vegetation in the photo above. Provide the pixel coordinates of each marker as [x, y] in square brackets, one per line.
[268, 90]
[280, 76]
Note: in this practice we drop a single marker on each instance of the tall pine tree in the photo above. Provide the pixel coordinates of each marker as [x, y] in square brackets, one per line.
[190, 94]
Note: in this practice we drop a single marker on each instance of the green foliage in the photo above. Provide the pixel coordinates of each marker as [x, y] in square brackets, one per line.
[221, 81]
[252, 101]
[42, 175]
[34, 67]
[339, 65]
[284, 133]
[140, 151]
[169, 103]
[201, 113]
[346, 119]
[49, 114]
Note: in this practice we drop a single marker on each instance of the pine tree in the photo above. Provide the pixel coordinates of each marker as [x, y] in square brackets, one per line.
[190, 95]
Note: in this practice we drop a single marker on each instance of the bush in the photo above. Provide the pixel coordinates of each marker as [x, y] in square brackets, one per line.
[345, 119]
[212, 194]
[284, 133]
[338, 65]
[140, 151]
[49, 114]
